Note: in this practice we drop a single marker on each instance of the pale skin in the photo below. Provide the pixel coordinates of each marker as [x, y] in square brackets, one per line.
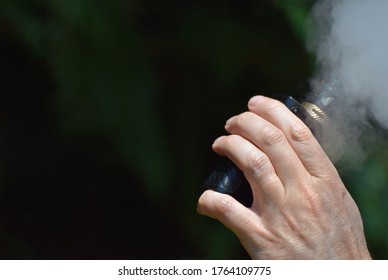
[301, 208]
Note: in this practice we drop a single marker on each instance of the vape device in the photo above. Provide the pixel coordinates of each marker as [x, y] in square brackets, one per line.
[227, 178]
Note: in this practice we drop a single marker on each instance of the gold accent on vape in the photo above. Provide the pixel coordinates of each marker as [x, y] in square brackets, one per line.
[315, 112]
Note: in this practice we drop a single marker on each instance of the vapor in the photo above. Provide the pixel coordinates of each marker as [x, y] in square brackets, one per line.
[350, 41]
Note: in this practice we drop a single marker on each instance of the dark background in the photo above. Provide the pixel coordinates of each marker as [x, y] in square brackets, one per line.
[108, 111]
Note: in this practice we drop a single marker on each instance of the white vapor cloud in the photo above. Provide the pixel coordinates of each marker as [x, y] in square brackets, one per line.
[350, 41]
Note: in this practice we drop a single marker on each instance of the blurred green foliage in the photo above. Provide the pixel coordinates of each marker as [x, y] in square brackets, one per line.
[109, 111]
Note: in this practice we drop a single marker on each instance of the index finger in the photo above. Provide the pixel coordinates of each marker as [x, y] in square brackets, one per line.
[297, 133]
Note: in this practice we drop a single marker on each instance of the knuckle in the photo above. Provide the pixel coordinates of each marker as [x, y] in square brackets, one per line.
[224, 205]
[257, 163]
[272, 136]
[301, 133]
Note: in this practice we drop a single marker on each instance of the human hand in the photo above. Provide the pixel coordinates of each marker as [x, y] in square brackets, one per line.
[301, 209]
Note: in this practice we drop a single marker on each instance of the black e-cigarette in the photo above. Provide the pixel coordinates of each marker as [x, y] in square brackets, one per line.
[226, 177]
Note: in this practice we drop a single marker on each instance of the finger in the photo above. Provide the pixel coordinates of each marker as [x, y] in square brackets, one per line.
[228, 211]
[297, 133]
[266, 186]
[273, 143]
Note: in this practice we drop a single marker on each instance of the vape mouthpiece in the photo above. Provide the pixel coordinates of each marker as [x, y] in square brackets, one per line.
[226, 178]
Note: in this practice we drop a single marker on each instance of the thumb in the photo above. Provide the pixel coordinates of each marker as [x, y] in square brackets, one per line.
[227, 210]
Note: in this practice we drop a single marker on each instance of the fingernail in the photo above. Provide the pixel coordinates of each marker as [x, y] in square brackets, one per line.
[254, 101]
